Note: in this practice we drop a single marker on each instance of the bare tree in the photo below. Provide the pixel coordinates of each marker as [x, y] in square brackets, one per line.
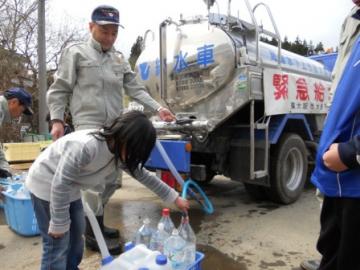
[18, 34]
[18, 44]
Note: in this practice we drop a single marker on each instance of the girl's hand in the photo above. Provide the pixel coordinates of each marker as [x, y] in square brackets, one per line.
[182, 204]
[56, 235]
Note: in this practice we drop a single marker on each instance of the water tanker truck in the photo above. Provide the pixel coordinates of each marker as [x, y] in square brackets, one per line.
[245, 109]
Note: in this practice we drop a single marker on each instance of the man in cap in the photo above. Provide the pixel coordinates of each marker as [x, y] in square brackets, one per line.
[91, 78]
[15, 102]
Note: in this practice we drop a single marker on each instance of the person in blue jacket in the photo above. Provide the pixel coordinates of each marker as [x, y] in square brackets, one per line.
[337, 173]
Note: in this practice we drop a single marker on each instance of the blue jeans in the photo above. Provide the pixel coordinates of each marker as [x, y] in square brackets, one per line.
[63, 253]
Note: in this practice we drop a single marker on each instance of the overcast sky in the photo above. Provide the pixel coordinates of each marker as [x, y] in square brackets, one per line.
[316, 20]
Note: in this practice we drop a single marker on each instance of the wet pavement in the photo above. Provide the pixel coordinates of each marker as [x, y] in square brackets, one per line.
[242, 234]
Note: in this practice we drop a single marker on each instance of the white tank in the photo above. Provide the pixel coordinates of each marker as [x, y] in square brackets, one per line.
[207, 60]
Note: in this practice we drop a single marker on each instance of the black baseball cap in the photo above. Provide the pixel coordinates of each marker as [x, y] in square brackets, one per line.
[103, 15]
[23, 96]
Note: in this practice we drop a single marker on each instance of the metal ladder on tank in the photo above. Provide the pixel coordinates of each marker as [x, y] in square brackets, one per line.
[263, 125]
[260, 30]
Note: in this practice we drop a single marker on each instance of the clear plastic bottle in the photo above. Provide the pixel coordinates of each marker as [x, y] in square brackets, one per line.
[174, 249]
[16, 178]
[187, 233]
[158, 238]
[143, 235]
[23, 176]
[166, 220]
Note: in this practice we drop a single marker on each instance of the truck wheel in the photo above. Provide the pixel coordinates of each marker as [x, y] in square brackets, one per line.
[288, 169]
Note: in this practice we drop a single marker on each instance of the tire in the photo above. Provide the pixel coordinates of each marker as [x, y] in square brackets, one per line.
[256, 192]
[288, 170]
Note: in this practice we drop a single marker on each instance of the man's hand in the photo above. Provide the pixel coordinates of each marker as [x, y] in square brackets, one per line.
[182, 204]
[332, 159]
[57, 130]
[166, 115]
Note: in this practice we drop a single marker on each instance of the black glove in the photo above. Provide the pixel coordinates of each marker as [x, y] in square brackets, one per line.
[5, 174]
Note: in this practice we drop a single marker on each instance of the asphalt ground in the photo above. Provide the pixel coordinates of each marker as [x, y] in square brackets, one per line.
[242, 233]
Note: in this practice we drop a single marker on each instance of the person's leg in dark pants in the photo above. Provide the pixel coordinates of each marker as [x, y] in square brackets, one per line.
[349, 246]
[63, 253]
[77, 229]
[339, 240]
[328, 243]
[55, 250]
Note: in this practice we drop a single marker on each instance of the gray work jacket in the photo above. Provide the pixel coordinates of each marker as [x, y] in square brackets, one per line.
[4, 118]
[349, 32]
[4, 111]
[92, 81]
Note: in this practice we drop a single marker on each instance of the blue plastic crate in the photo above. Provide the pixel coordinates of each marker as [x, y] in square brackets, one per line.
[20, 216]
[198, 259]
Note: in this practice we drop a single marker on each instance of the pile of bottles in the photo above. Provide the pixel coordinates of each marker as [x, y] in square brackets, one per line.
[177, 244]
[15, 178]
[16, 187]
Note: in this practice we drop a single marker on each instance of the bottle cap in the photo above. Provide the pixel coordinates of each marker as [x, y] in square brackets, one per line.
[161, 259]
[166, 212]
[128, 246]
[106, 260]
[175, 232]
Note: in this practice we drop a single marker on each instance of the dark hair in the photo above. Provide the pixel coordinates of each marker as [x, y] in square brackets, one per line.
[133, 133]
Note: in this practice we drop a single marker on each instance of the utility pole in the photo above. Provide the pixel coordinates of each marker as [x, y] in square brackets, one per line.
[42, 82]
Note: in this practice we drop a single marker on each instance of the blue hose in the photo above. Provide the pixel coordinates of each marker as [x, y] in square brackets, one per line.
[208, 208]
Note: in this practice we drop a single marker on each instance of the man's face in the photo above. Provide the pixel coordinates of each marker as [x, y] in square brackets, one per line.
[16, 109]
[104, 34]
[356, 2]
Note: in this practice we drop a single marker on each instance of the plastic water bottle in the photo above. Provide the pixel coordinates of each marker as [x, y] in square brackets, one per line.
[158, 238]
[23, 176]
[166, 220]
[187, 233]
[143, 235]
[174, 249]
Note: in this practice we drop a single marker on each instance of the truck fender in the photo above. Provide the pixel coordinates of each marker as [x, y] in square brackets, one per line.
[281, 123]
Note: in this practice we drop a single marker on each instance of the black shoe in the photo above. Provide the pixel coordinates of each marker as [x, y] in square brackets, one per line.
[113, 245]
[310, 264]
[107, 232]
